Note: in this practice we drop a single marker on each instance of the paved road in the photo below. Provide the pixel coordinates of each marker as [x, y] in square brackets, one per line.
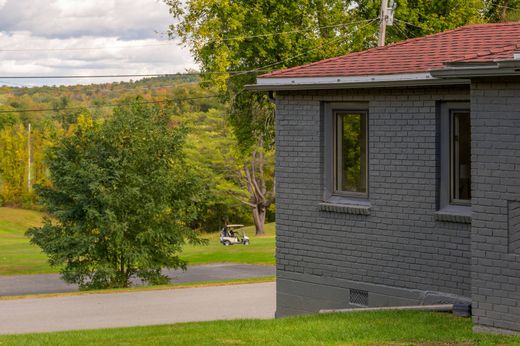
[52, 283]
[137, 308]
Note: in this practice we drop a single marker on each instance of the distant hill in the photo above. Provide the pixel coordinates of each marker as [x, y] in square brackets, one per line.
[53, 111]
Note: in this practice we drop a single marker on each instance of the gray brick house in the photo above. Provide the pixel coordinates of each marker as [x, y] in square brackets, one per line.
[398, 176]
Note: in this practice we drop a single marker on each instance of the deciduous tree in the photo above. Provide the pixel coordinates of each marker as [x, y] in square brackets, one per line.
[120, 201]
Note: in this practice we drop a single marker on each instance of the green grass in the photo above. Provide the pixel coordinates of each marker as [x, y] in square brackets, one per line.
[367, 328]
[19, 257]
[260, 251]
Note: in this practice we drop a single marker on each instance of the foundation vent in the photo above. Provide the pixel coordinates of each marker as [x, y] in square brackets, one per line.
[358, 297]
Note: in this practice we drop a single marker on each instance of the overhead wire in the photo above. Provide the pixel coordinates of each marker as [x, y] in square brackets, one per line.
[234, 38]
[233, 74]
[260, 69]
[108, 105]
[256, 70]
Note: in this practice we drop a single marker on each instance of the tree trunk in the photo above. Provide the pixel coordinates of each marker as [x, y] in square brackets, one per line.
[259, 219]
[259, 198]
[503, 14]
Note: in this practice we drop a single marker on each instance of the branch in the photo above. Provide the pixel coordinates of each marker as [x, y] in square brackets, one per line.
[252, 205]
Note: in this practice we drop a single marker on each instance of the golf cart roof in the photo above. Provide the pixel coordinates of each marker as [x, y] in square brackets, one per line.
[235, 226]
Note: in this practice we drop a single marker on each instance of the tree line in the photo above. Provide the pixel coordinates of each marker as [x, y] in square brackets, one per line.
[210, 143]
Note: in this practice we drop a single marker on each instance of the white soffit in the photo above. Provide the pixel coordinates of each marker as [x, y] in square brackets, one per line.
[277, 81]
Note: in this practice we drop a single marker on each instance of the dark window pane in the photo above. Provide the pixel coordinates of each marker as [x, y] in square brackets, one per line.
[351, 155]
[460, 156]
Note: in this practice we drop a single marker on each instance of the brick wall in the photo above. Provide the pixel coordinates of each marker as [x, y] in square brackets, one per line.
[496, 192]
[399, 253]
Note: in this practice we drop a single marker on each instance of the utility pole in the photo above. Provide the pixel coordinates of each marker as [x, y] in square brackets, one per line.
[29, 183]
[386, 18]
[382, 23]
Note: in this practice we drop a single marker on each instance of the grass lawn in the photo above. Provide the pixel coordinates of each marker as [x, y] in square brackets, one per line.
[367, 328]
[260, 251]
[18, 256]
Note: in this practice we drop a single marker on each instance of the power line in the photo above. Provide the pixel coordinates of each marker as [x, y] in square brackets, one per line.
[339, 38]
[122, 75]
[234, 38]
[234, 74]
[257, 70]
[12, 83]
[108, 105]
[508, 7]
[118, 87]
[291, 31]
[84, 48]
[411, 24]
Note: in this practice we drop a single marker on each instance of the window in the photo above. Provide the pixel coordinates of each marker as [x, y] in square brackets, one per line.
[350, 160]
[455, 156]
[460, 157]
[345, 139]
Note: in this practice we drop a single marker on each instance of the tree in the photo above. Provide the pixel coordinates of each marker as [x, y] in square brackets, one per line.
[502, 10]
[261, 189]
[120, 200]
[228, 38]
[416, 18]
[13, 164]
[238, 36]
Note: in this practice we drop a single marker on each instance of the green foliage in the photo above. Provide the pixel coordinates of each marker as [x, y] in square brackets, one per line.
[242, 36]
[19, 257]
[121, 198]
[209, 141]
[416, 18]
[8, 116]
[210, 146]
[14, 157]
[13, 164]
[502, 10]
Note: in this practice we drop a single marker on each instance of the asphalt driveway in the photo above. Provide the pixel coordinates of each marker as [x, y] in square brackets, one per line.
[52, 283]
[94, 311]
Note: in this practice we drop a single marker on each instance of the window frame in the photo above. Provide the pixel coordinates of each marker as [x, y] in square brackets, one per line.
[446, 156]
[330, 111]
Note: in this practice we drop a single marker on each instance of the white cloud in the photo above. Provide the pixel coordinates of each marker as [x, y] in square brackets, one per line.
[125, 33]
[73, 18]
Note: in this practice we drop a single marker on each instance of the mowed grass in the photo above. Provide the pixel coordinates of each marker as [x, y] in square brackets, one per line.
[19, 257]
[367, 328]
[260, 251]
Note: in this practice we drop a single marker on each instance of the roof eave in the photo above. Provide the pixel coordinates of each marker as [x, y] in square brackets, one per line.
[356, 82]
[474, 70]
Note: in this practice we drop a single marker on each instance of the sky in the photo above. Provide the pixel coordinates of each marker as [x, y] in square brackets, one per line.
[48, 37]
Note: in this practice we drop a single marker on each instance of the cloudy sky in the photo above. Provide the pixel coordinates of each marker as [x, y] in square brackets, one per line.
[86, 37]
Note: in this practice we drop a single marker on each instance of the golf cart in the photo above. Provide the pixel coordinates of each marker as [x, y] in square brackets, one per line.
[230, 237]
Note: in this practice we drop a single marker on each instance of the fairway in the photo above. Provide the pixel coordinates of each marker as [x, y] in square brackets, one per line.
[19, 257]
[260, 251]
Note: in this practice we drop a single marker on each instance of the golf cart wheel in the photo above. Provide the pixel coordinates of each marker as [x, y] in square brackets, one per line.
[246, 242]
[226, 243]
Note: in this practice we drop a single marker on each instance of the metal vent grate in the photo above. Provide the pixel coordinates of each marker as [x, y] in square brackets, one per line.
[358, 297]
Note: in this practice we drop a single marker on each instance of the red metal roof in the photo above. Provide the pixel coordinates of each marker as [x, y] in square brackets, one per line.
[471, 43]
